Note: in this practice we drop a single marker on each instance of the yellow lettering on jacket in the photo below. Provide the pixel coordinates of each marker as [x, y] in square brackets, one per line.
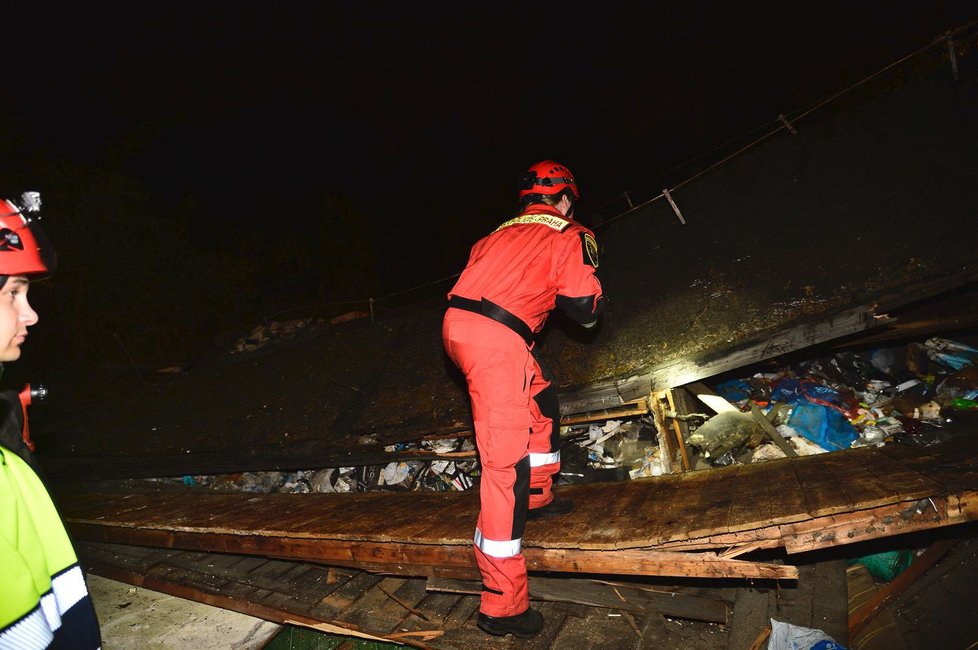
[549, 220]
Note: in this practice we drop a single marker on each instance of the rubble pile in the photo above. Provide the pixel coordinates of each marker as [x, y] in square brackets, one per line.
[921, 394]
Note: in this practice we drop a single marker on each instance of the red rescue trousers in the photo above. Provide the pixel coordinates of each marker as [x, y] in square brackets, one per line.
[517, 448]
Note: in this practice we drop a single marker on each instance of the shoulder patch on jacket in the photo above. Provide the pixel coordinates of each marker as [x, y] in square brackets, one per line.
[590, 247]
[558, 224]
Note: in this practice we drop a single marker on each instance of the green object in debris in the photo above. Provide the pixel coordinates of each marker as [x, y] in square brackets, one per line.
[962, 403]
[301, 638]
[885, 566]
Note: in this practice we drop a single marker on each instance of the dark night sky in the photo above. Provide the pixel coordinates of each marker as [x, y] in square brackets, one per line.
[413, 110]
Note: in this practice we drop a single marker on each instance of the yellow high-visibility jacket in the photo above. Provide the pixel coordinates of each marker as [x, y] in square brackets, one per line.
[43, 596]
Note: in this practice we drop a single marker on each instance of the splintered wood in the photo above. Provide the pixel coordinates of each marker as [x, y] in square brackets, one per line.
[697, 524]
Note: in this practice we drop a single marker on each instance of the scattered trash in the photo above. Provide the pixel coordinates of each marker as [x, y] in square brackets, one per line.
[918, 394]
[412, 475]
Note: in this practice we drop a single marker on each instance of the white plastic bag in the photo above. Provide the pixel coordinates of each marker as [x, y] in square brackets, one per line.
[785, 636]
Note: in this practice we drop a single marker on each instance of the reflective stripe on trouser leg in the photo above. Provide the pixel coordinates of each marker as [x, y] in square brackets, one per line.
[521, 491]
[544, 441]
[505, 591]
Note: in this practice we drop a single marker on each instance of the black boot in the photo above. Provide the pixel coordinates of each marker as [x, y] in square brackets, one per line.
[526, 625]
[556, 507]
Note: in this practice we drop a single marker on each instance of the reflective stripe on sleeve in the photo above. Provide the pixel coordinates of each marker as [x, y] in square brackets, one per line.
[538, 460]
[49, 606]
[69, 587]
[28, 633]
[495, 548]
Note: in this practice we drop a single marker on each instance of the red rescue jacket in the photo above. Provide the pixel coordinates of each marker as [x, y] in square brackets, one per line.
[533, 263]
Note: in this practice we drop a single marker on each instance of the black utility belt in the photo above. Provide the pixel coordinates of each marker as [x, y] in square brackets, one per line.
[489, 309]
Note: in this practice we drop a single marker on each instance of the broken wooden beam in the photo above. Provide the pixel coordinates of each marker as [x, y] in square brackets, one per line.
[772, 432]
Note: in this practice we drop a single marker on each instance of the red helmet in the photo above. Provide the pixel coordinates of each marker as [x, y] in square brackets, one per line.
[547, 177]
[24, 249]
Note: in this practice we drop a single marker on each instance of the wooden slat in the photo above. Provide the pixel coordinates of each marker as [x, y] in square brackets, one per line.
[933, 464]
[617, 516]
[749, 502]
[678, 515]
[903, 481]
[590, 508]
[703, 496]
[860, 485]
[666, 504]
[823, 494]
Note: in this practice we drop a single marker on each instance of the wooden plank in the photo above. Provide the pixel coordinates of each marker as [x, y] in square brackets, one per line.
[588, 512]
[949, 465]
[748, 501]
[678, 429]
[917, 568]
[861, 485]
[416, 559]
[883, 629]
[771, 432]
[785, 495]
[629, 409]
[608, 632]
[347, 595]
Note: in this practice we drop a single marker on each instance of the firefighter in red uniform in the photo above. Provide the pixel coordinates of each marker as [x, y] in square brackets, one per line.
[515, 276]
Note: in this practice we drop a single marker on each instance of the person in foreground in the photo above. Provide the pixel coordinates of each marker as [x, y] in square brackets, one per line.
[44, 601]
[515, 277]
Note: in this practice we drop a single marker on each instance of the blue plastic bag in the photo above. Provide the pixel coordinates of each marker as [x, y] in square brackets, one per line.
[734, 390]
[824, 426]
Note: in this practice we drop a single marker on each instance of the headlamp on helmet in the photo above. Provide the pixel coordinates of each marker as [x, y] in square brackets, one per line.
[24, 248]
